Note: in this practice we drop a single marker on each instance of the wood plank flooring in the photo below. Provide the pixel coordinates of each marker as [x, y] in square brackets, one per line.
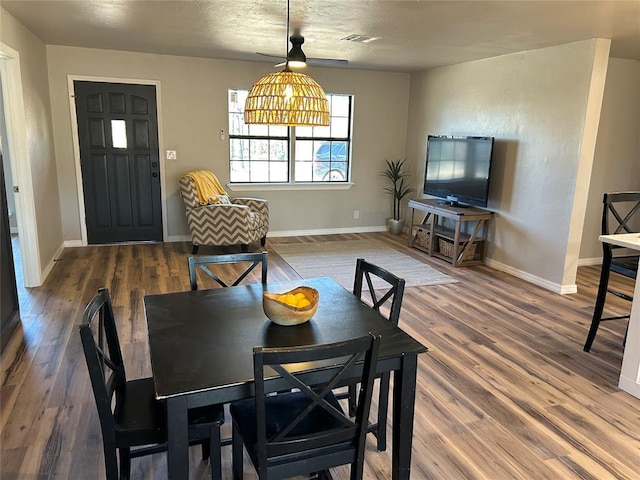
[505, 391]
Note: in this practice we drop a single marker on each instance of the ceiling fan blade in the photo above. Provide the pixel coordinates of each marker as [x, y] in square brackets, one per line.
[318, 62]
[298, 55]
[279, 57]
[328, 62]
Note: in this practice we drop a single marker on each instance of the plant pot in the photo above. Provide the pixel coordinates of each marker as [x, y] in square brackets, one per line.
[396, 227]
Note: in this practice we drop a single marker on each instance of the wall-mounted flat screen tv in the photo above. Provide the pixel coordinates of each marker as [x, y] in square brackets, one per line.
[458, 169]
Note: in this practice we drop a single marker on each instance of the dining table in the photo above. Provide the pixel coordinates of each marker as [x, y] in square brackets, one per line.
[630, 369]
[201, 345]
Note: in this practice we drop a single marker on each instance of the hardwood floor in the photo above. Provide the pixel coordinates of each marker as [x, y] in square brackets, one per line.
[505, 391]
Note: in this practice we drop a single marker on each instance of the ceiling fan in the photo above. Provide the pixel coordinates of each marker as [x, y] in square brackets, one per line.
[296, 57]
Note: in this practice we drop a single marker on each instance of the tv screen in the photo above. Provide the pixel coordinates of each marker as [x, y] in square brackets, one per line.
[458, 169]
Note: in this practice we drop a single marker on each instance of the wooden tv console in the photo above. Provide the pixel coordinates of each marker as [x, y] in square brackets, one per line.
[460, 248]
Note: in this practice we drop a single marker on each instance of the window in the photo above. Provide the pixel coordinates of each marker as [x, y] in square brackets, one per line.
[262, 153]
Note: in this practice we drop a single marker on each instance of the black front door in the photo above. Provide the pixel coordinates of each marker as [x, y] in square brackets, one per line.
[119, 158]
[9, 309]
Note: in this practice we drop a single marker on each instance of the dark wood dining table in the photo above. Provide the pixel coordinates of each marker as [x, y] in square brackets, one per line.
[201, 346]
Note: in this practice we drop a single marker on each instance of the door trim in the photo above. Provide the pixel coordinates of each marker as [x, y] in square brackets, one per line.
[20, 164]
[76, 145]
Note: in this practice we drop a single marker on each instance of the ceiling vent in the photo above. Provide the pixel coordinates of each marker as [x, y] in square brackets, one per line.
[360, 38]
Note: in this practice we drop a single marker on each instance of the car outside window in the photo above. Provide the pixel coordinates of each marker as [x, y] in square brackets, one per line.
[268, 154]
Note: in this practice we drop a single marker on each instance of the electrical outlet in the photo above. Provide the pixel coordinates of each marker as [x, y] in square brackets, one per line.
[356, 214]
[172, 155]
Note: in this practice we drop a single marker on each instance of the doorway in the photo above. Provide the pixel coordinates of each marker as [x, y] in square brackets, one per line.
[117, 127]
[18, 167]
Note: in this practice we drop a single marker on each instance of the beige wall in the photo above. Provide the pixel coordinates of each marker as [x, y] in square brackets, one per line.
[535, 104]
[616, 164]
[194, 110]
[40, 151]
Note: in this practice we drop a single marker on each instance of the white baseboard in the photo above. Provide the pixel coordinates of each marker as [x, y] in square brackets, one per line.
[541, 282]
[326, 231]
[587, 262]
[299, 233]
[72, 243]
[52, 262]
[178, 238]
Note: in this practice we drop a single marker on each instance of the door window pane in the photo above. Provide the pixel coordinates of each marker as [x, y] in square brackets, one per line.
[118, 134]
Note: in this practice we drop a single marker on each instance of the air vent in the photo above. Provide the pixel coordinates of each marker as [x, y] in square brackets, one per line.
[360, 38]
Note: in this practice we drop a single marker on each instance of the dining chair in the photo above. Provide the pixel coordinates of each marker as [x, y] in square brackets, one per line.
[304, 430]
[202, 262]
[381, 286]
[132, 421]
[620, 214]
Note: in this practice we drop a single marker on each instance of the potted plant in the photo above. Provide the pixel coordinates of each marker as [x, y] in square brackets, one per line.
[397, 180]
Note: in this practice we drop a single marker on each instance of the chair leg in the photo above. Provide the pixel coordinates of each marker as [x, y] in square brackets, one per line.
[599, 306]
[215, 461]
[383, 408]
[110, 463]
[324, 475]
[206, 451]
[195, 249]
[263, 240]
[236, 453]
[125, 463]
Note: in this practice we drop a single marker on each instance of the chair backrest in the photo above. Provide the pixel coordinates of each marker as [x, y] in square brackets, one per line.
[620, 210]
[202, 262]
[620, 214]
[337, 427]
[104, 358]
[391, 285]
[188, 192]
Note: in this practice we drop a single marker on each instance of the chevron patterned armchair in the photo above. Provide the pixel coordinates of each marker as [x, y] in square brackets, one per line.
[241, 222]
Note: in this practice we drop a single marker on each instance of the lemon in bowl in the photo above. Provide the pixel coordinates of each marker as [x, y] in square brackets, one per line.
[291, 308]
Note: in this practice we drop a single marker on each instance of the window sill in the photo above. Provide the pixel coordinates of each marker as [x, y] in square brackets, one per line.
[254, 187]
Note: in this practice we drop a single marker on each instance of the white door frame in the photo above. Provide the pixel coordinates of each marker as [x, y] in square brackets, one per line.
[76, 145]
[14, 112]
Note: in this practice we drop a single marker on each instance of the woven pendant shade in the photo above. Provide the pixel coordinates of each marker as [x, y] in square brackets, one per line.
[287, 98]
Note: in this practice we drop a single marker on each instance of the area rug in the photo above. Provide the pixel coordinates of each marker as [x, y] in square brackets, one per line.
[337, 259]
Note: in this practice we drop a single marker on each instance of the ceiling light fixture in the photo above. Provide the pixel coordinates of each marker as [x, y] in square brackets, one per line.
[296, 57]
[287, 98]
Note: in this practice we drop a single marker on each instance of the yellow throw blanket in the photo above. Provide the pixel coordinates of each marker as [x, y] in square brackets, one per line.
[207, 186]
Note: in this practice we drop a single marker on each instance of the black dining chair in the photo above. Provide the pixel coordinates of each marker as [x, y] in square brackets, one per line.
[132, 421]
[304, 430]
[202, 262]
[620, 214]
[382, 286]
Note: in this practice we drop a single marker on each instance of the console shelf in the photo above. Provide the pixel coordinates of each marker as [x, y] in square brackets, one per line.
[458, 247]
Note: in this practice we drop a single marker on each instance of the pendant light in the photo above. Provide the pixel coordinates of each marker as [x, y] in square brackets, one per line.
[287, 98]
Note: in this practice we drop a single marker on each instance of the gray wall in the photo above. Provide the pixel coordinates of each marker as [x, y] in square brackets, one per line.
[40, 152]
[616, 166]
[536, 104]
[194, 109]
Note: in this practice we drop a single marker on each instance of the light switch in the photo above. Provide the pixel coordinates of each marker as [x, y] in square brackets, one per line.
[171, 155]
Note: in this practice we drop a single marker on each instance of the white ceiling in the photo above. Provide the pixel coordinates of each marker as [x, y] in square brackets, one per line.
[415, 34]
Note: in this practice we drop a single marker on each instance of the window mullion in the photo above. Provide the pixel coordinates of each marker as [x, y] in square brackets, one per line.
[292, 154]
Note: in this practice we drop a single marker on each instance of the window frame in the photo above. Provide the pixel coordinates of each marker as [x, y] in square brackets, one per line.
[290, 139]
